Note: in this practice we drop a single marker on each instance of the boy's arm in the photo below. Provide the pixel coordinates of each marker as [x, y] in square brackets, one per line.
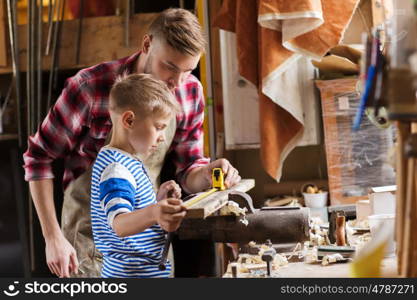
[168, 213]
[117, 196]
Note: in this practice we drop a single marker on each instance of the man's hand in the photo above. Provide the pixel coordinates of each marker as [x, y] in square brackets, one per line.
[61, 256]
[231, 174]
[170, 188]
[169, 213]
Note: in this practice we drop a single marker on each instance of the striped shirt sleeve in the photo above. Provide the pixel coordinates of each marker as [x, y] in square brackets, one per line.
[117, 191]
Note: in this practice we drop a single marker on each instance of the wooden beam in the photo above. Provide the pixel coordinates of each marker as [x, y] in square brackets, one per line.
[102, 40]
[214, 7]
[217, 200]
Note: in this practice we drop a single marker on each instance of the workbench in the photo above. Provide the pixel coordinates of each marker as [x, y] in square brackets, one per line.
[338, 270]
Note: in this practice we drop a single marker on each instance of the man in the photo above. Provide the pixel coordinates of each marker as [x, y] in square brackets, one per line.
[79, 125]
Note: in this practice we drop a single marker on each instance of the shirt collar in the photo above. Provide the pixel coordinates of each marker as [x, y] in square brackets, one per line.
[129, 64]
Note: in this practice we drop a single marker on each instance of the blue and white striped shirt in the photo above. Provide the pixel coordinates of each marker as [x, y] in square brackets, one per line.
[120, 184]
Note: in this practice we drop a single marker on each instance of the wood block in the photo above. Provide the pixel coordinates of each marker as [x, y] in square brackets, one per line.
[217, 200]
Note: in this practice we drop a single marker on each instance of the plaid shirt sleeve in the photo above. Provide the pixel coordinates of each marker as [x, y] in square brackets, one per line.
[188, 141]
[59, 132]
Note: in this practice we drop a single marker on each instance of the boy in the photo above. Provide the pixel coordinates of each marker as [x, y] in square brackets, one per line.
[78, 125]
[127, 217]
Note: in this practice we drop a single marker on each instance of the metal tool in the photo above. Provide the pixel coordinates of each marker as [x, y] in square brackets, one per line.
[29, 65]
[58, 45]
[268, 257]
[280, 226]
[217, 178]
[79, 32]
[55, 53]
[51, 12]
[168, 241]
[127, 23]
[349, 211]
[13, 34]
[39, 64]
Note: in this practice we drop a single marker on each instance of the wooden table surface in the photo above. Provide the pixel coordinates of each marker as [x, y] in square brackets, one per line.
[339, 270]
[301, 269]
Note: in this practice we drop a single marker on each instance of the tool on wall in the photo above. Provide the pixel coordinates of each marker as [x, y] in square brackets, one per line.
[79, 32]
[372, 75]
[127, 22]
[51, 13]
[39, 63]
[13, 34]
[55, 51]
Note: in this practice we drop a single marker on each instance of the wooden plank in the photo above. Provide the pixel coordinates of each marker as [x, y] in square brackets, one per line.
[217, 200]
[214, 7]
[377, 13]
[402, 134]
[102, 40]
[3, 29]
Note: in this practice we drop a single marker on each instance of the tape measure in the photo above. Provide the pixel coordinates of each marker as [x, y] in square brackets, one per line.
[217, 178]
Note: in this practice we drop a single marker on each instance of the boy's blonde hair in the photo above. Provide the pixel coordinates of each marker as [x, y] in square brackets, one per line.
[144, 95]
[180, 29]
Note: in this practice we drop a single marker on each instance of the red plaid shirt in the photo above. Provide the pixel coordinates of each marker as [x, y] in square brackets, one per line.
[77, 125]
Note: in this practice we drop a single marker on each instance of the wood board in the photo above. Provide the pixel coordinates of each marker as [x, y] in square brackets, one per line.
[217, 200]
[101, 40]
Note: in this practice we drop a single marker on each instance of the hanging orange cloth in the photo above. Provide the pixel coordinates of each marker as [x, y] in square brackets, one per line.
[272, 36]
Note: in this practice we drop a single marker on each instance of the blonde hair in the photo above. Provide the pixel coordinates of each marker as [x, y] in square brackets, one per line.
[144, 95]
[180, 29]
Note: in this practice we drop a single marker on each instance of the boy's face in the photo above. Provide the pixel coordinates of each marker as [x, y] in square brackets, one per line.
[147, 133]
[168, 64]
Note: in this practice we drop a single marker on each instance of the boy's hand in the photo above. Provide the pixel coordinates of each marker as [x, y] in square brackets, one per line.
[169, 213]
[169, 189]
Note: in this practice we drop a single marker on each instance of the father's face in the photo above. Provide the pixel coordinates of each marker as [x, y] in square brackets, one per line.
[169, 65]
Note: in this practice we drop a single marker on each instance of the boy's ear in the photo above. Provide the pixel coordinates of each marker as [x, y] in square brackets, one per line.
[146, 43]
[128, 118]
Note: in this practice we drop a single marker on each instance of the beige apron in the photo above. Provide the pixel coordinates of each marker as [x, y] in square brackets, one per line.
[76, 221]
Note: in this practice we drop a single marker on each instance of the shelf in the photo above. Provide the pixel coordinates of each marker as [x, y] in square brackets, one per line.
[8, 137]
[102, 40]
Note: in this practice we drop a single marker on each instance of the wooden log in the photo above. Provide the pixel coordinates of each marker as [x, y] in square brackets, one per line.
[410, 221]
[217, 200]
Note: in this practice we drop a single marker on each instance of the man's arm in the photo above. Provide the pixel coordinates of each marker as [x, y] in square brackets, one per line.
[199, 178]
[193, 169]
[60, 255]
[57, 135]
